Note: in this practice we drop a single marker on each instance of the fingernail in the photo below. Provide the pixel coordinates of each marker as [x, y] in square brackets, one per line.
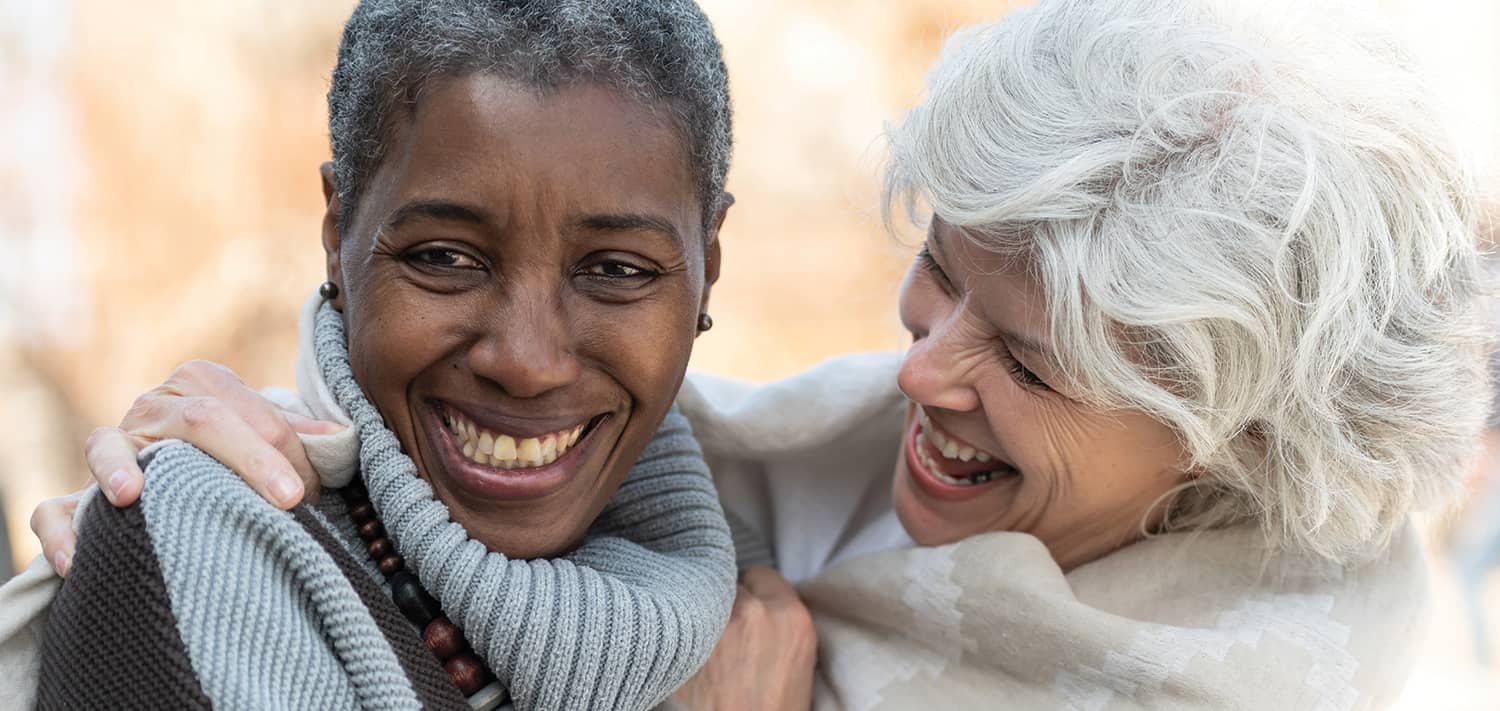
[60, 562]
[285, 488]
[117, 481]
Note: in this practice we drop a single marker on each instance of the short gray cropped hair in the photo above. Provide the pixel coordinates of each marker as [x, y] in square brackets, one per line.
[1252, 230]
[662, 52]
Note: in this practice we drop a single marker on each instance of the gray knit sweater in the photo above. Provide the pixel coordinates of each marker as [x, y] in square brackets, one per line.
[204, 596]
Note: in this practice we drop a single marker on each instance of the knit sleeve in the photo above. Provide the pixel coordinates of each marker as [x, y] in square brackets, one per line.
[203, 595]
[112, 640]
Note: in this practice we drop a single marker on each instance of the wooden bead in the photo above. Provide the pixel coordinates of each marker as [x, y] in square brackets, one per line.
[443, 638]
[467, 673]
[380, 548]
[415, 603]
[371, 530]
[391, 564]
[362, 512]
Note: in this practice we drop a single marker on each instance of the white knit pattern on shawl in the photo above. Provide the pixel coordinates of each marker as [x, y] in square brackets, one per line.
[1206, 620]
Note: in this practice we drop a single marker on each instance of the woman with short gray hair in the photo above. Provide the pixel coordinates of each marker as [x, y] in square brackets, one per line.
[514, 512]
[1194, 334]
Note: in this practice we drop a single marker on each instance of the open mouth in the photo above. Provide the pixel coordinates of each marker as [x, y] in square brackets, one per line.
[510, 451]
[951, 461]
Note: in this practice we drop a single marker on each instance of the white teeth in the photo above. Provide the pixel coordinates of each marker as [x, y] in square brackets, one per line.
[950, 449]
[505, 451]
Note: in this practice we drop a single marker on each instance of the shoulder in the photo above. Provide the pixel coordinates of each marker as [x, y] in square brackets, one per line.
[850, 393]
[112, 630]
[1315, 629]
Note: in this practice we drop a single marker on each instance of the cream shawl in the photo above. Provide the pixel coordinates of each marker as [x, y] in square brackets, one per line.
[1207, 620]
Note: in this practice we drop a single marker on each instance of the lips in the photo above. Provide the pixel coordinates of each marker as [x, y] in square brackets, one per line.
[948, 468]
[507, 459]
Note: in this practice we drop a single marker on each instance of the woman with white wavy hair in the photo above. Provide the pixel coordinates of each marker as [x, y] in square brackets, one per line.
[1195, 333]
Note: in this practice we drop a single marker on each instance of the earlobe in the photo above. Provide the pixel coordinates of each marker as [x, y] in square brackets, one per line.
[331, 236]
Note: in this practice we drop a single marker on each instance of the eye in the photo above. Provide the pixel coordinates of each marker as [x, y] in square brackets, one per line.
[616, 270]
[930, 263]
[1020, 372]
[444, 258]
[610, 276]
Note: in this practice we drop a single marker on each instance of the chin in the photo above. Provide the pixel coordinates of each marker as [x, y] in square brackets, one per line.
[925, 526]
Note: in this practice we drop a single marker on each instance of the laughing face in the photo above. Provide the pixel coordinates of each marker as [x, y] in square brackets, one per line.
[994, 441]
[521, 282]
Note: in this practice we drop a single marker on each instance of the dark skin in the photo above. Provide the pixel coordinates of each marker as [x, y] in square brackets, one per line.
[536, 262]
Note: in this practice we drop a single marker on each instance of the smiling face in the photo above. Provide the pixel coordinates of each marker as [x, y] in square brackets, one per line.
[521, 282]
[994, 442]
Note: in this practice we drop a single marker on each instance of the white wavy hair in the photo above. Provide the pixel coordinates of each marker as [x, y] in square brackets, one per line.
[1253, 230]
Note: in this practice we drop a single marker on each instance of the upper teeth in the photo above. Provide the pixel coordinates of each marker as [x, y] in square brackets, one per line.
[950, 448]
[506, 452]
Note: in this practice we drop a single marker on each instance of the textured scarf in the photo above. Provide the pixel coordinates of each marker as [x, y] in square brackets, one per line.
[204, 596]
[618, 623]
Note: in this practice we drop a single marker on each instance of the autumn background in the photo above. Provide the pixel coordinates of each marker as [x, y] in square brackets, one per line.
[159, 201]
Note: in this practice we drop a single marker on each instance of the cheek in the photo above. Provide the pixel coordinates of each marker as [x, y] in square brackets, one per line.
[643, 346]
[392, 339]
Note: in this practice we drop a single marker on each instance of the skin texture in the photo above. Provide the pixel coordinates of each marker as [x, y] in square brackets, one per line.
[1083, 481]
[526, 306]
[766, 656]
[533, 261]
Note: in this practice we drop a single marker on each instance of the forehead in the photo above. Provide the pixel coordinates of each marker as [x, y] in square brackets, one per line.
[1004, 287]
[583, 148]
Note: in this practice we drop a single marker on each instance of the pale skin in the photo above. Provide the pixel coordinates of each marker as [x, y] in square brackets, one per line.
[980, 372]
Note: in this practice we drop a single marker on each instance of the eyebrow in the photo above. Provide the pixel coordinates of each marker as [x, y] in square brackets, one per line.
[458, 212]
[438, 210]
[1015, 338]
[630, 222]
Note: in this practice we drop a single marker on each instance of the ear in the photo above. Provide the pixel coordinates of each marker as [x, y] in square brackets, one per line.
[331, 236]
[712, 253]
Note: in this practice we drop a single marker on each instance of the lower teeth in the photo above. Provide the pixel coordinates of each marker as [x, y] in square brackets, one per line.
[980, 478]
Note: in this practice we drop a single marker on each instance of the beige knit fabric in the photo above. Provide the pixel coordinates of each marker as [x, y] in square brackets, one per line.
[1202, 621]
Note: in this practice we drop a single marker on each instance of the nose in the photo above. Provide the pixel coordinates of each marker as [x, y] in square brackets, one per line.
[527, 346]
[931, 374]
[930, 377]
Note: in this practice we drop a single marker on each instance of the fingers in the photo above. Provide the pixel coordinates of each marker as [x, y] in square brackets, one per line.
[216, 427]
[207, 405]
[781, 604]
[768, 584]
[52, 522]
[111, 456]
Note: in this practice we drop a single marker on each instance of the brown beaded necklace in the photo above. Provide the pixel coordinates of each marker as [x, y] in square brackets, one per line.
[439, 634]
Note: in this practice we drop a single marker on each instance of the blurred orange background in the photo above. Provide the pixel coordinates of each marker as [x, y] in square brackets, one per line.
[159, 197]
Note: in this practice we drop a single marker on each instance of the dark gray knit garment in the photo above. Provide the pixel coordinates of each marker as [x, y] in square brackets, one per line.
[204, 596]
